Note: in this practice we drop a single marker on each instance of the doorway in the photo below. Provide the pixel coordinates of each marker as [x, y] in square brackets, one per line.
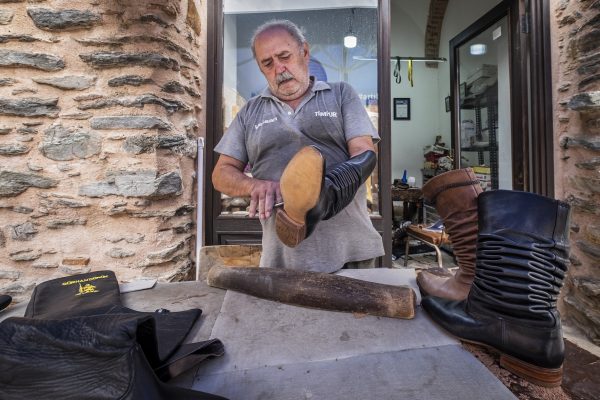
[476, 105]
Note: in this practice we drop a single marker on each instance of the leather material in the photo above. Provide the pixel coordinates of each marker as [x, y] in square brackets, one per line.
[97, 293]
[340, 185]
[522, 250]
[5, 301]
[525, 245]
[540, 346]
[77, 341]
[454, 195]
[92, 357]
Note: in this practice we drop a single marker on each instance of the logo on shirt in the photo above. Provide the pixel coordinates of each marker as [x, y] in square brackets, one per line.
[330, 114]
[266, 121]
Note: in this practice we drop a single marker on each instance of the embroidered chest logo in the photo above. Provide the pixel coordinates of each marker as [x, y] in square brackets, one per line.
[266, 121]
[87, 288]
[330, 114]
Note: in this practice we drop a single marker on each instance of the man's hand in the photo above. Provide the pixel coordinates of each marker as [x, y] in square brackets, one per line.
[263, 196]
[228, 177]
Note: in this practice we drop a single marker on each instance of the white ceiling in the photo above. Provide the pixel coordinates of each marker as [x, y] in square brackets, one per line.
[252, 6]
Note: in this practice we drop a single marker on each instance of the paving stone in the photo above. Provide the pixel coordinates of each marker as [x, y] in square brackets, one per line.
[446, 372]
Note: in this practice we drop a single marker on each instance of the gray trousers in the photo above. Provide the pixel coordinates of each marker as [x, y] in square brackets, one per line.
[364, 264]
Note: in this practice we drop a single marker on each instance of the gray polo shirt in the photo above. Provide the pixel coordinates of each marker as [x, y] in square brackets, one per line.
[267, 133]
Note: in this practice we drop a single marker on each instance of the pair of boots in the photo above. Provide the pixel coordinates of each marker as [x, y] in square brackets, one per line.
[518, 245]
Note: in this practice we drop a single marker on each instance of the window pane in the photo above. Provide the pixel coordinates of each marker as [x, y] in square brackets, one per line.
[485, 133]
[325, 28]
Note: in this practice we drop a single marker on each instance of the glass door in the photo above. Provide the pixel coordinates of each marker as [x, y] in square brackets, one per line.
[483, 116]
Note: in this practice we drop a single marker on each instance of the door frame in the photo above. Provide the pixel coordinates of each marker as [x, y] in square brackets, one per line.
[531, 91]
[231, 230]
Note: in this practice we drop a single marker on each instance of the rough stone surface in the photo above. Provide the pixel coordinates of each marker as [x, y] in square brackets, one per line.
[6, 17]
[140, 144]
[62, 144]
[71, 82]
[128, 57]
[115, 59]
[118, 252]
[588, 143]
[135, 184]
[22, 232]
[64, 222]
[7, 81]
[11, 275]
[13, 149]
[45, 62]
[139, 101]
[585, 102]
[13, 183]
[178, 88]
[21, 38]
[25, 255]
[131, 80]
[590, 249]
[29, 107]
[53, 20]
[122, 40]
[133, 122]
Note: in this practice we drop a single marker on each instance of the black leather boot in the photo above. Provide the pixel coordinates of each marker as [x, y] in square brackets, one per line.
[311, 195]
[522, 253]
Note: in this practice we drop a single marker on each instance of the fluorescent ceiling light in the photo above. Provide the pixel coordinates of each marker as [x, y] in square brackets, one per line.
[350, 41]
[478, 49]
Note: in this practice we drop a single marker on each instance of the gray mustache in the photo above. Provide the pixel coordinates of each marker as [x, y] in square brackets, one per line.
[284, 76]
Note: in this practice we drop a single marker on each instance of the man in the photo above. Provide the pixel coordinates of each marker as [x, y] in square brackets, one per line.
[293, 112]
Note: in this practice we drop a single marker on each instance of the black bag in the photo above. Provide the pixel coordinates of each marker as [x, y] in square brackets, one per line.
[78, 341]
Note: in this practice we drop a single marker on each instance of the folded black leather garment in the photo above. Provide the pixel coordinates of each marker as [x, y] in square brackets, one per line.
[4, 301]
[77, 341]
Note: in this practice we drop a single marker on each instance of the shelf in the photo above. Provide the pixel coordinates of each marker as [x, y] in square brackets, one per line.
[477, 149]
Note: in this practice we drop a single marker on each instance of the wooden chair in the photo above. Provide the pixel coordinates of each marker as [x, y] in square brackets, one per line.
[433, 238]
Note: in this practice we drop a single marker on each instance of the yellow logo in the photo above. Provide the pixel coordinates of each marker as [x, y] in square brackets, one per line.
[87, 288]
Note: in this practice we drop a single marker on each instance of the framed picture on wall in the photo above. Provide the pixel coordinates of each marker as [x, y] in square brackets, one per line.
[401, 108]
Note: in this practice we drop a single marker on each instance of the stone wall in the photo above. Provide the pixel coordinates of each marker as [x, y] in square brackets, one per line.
[100, 108]
[576, 69]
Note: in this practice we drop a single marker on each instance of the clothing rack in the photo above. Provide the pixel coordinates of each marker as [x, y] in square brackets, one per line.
[424, 59]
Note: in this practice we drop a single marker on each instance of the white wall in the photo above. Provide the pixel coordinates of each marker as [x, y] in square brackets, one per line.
[431, 86]
[409, 20]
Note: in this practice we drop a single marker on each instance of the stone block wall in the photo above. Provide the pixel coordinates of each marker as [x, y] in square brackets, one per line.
[576, 70]
[100, 109]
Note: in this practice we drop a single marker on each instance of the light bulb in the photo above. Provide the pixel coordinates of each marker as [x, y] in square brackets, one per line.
[350, 41]
[478, 49]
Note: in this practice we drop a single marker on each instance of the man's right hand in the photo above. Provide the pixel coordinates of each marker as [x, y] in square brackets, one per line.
[228, 177]
[263, 196]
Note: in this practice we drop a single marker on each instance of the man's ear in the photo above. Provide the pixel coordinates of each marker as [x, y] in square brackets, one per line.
[306, 50]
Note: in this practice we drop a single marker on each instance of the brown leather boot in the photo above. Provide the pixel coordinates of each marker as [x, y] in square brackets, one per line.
[454, 195]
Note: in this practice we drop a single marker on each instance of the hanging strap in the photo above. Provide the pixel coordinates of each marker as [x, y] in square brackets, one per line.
[397, 71]
[410, 72]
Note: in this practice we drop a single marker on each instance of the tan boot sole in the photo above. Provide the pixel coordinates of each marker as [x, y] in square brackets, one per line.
[300, 185]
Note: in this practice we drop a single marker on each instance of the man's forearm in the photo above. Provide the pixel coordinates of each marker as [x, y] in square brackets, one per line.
[231, 181]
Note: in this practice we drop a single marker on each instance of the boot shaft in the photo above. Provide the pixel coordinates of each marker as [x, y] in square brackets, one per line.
[341, 183]
[522, 255]
[454, 195]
